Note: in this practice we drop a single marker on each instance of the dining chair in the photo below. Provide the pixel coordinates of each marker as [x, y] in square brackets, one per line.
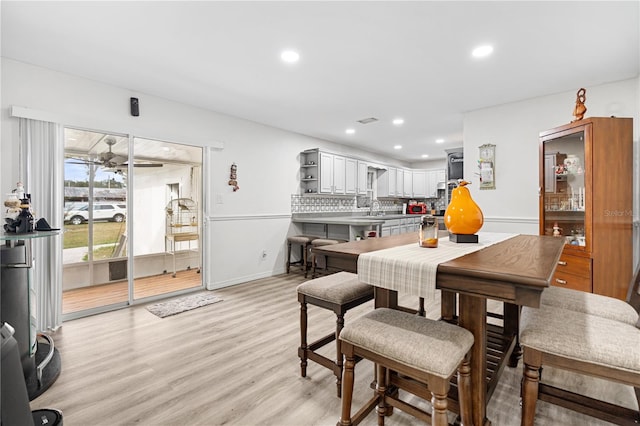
[586, 334]
[427, 351]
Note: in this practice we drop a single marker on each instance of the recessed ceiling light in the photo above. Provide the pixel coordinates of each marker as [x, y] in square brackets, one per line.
[165, 148]
[482, 51]
[290, 56]
[398, 121]
[425, 155]
[350, 131]
[397, 147]
[439, 140]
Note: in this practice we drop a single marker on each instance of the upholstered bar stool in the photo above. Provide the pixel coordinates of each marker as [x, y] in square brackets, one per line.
[337, 292]
[317, 243]
[304, 241]
[585, 333]
[430, 352]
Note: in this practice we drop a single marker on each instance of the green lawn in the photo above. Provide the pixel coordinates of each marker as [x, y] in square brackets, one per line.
[103, 233]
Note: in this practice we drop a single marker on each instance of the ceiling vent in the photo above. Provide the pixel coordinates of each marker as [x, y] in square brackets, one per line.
[367, 120]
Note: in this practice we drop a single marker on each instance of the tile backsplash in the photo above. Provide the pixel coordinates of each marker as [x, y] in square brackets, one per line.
[347, 205]
[329, 204]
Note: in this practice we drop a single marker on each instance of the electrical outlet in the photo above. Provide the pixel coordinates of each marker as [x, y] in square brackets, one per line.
[264, 254]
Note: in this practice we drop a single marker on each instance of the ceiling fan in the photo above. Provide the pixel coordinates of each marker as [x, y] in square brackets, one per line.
[113, 161]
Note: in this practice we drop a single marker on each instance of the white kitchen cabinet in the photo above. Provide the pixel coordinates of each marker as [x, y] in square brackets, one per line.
[351, 176]
[434, 177]
[407, 188]
[326, 173]
[363, 174]
[399, 182]
[332, 174]
[419, 183]
[432, 184]
[386, 182]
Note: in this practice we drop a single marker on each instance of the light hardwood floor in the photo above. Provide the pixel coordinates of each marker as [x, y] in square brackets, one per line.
[235, 363]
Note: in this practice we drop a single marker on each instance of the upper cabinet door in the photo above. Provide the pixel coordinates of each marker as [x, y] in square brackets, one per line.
[419, 183]
[351, 176]
[363, 178]
[339, 174]
[565, 196]
[399, 182]
[407, 189]
[326, 173]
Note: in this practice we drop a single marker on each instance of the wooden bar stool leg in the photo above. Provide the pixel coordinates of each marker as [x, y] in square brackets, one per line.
[339, 357]
[313, 265]
[381, 389]
[347, 391]
[306, 259]
[302, 352]
[530, 383]
[439, 389]
[421, 311]
[464, 391]
[288, 257]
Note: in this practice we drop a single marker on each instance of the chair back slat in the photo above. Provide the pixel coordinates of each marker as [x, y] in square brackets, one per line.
[633, 298]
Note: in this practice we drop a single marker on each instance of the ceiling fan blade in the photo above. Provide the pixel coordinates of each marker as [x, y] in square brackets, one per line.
[143, 164]
[84, 162]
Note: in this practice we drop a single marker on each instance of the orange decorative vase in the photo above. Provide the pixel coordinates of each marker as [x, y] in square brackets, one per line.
[463, 216]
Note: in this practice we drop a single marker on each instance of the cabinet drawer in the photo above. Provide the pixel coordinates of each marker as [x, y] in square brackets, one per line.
[575, 282]
[574, 265]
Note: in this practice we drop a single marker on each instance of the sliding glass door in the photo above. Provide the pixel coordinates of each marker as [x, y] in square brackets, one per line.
[122, 240]
[167, 204]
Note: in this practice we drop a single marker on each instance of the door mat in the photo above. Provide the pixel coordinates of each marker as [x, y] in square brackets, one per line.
[187, 303]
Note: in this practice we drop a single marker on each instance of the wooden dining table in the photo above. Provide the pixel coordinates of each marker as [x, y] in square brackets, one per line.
[514, 270]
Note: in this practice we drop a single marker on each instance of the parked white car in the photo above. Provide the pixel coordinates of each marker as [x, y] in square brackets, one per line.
[113, 212]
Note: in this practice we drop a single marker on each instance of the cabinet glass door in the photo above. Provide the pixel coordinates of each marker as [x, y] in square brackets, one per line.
[564, 192]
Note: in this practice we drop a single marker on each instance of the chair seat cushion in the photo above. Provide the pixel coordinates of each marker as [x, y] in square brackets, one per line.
[589, 303]
[582, 337]
[338, 288]
[300, 239]
[434, 347]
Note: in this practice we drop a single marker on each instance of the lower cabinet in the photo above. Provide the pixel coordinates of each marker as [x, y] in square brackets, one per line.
[573, 272]
[400, 226]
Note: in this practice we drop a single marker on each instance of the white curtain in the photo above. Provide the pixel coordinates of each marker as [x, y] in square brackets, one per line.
[41, 169]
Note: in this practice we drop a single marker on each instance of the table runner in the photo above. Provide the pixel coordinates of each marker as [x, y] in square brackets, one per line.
[411, 269]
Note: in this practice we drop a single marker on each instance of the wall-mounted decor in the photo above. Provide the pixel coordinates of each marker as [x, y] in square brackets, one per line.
[487, 164]
[233, 177]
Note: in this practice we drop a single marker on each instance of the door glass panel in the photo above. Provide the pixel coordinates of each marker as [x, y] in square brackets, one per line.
[167, 195]
[564, 188]
[95, 208]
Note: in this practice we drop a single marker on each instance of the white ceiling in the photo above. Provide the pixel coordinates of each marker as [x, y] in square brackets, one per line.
[382, 59]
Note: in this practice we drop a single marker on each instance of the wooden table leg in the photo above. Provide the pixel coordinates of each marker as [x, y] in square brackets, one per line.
[511, 328]
[448, 306]
[473, 317]
[385, 298]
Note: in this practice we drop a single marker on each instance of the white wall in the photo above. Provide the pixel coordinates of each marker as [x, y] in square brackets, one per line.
[255, 218]
[514, 129]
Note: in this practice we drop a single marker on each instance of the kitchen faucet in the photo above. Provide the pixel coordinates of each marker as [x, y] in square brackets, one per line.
[375, 206]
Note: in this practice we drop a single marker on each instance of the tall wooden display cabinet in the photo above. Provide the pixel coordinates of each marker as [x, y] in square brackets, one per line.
[586, 197]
